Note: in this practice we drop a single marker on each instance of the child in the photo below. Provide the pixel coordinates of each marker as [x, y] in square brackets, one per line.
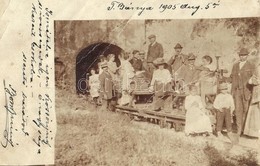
[94, 86]
[131, 93]
[197, 121]
[128, 97]
[224, 103]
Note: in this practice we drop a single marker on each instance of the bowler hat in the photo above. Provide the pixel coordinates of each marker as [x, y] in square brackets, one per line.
[178, 46]
[191, 56]
[104, 64]
[135, 51]
[159, 61]
[151, 36]
[223, 86]
[243, 51]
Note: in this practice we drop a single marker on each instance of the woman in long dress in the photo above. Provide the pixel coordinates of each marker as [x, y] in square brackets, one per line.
[94, 86]
[252, 125]
[196, 119]
[126, 74]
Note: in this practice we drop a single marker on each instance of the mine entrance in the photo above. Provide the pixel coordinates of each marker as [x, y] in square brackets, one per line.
[89, 58]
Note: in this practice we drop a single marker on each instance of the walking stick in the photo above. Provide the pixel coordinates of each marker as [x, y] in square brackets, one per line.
[218, 72]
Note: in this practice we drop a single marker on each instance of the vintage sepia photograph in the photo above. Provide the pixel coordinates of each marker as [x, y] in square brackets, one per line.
[173, 92]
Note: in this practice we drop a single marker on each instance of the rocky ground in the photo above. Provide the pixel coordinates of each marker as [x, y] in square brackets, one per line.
[86, 136]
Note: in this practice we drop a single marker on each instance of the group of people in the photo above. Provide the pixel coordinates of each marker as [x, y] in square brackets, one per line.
[196, 81]
[110, 79]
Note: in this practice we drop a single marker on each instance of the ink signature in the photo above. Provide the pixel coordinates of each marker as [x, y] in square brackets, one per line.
[10, 93]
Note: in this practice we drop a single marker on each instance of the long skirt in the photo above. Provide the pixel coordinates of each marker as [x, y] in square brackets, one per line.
[197, 121]
[252, 125]
[94, 90]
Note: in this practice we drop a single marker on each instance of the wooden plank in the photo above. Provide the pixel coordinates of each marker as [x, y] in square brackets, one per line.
[164, 114]
[160, 114]
[127, 108]
[143, 93]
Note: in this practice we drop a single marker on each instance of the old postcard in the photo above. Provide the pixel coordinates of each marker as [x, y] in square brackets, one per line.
[129, 82]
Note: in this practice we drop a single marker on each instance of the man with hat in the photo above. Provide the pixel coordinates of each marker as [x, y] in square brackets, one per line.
[189, 73]
[155, 50]
[136, 61]
[241, 90]
[177, 60]
[161, 84]
[106, 87]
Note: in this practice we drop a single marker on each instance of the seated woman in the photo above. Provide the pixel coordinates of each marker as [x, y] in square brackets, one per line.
[161, 84]
[197, 121]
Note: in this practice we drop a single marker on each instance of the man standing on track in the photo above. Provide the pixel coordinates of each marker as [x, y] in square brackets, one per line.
[241, 90]
[155, 50]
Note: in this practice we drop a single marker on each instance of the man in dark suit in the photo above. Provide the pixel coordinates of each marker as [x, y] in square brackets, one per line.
[106, 88]
[189, 73]
[155, 50]
[241, 90]
[136, 61]
[177, 60]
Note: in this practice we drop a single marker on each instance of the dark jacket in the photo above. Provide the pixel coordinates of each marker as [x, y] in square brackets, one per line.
[176, 62]
[189, 74]
[240, 78]
[137, 64]
[154, 52]
[106, 85]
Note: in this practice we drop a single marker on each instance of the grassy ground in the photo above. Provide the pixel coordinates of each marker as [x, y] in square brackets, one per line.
[86, 136]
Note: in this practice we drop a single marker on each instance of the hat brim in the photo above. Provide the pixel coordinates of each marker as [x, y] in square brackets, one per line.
[178, 47]
[151, 37]
[161, 63]
[243, 54]
[223, 88]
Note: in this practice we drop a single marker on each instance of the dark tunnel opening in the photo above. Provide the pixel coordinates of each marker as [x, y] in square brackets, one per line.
[88, 58]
